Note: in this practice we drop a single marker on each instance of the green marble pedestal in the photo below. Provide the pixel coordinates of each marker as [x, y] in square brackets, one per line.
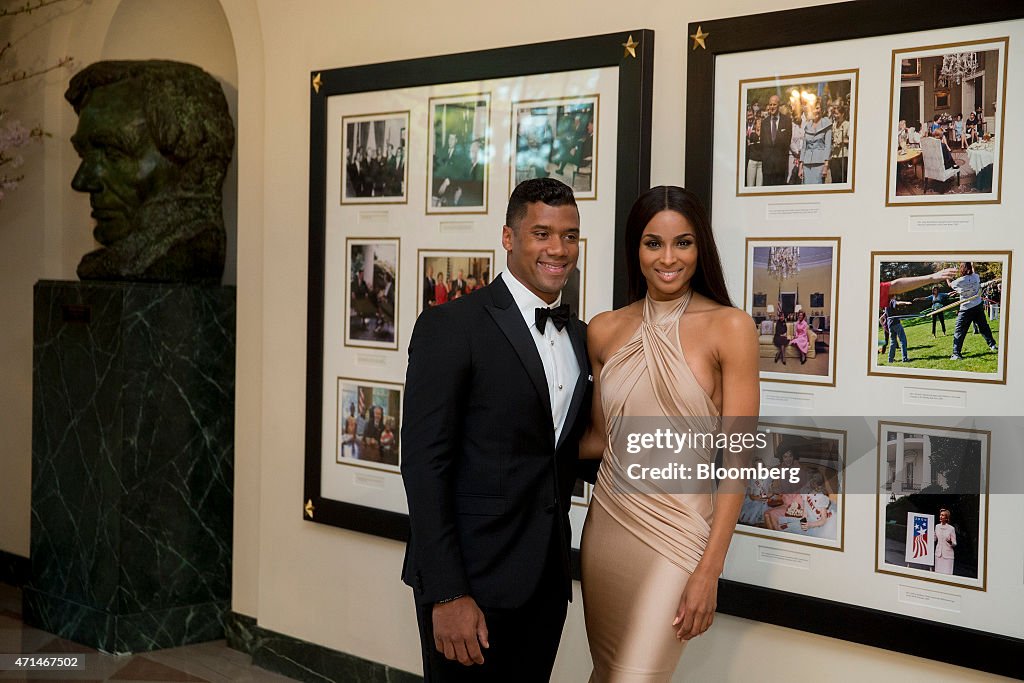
[132, 455]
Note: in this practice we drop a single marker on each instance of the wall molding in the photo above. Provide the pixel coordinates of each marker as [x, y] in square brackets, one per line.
[303, 660]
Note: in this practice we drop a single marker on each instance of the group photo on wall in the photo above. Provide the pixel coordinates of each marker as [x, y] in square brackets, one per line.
[459, 153]
[809, 510]
[449, 275]
[946, 127]
[797, 133]
[376, 151]
[556, 139]
[370, 427]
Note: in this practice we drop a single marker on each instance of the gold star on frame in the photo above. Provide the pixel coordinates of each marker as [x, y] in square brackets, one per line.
[699, 37]
[316, 84]
[630, 46]
[309, 508]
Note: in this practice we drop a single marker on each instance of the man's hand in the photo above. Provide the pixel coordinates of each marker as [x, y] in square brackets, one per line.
[460, 630]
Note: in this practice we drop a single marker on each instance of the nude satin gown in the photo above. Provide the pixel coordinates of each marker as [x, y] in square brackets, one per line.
[642, 540]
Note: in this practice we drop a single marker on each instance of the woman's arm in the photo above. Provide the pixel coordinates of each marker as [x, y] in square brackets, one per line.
[737, 353]
[593, 440]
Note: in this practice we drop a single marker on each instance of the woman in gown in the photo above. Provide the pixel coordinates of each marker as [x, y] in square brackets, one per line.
[681, 355]
[801, 340]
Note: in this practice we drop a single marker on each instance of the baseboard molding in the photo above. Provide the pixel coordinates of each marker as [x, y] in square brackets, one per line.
[302, 660]
[14, 569]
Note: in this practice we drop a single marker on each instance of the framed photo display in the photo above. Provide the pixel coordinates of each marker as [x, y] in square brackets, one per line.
[903, 208]
[406, 209]
[952, 135]
[940, 315]
[448, 275]
[933, 492]
[371, 297]
[808, 508]
[797, 134]
[792, 292]
[556, 139]
[374, 169]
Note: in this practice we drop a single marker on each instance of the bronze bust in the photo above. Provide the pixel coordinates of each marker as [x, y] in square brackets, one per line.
[155, 138]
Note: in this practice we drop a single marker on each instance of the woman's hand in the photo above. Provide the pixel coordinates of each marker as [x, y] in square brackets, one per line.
[697, 605]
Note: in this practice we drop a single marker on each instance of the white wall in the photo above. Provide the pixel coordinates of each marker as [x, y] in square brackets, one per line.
[328, 586]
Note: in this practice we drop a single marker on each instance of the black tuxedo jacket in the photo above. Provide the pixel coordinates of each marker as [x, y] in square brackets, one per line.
[488, 488]
[775, 153]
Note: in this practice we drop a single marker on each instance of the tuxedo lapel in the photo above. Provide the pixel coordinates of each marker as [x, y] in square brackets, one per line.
[506, 314]
[577, 335]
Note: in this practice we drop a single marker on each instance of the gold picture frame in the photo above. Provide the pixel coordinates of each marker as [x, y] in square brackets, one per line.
[798, 537]
[825, 334]
[751, 88]
[347, 180]
[374, 303]
[923, 370]
[887, 490]
[987, 185]
[463, 194]
[549, 140]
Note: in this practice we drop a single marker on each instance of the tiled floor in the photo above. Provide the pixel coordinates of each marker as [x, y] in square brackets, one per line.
[211, 662]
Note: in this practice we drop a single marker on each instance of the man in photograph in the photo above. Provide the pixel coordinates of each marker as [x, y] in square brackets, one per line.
[490, 454]
[776, 133]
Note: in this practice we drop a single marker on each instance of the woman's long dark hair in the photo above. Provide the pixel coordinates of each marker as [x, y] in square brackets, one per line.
[708, 280]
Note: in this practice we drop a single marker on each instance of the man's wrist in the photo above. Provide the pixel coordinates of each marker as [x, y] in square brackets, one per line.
[451, 599]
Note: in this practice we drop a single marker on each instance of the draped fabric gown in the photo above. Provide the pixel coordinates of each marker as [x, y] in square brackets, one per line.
[643, 539]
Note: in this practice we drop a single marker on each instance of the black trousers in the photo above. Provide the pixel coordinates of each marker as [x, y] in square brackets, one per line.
[939, 318]
[523, 641]
[964, 319]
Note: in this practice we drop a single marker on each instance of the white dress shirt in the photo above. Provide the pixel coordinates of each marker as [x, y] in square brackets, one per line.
[555, 348]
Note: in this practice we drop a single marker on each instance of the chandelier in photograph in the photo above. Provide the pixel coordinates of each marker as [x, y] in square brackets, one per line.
[957, 67]
[783, 262]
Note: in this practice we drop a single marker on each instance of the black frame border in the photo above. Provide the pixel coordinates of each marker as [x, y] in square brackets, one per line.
[633, 176]
[980, 650]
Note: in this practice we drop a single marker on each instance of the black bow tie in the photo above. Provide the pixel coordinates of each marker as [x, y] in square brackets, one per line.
[559, 316]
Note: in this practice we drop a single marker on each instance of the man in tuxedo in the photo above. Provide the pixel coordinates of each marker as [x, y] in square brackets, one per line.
[776, 134]
[497, 396]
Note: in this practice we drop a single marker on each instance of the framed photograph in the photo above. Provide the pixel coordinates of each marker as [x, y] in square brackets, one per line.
[910, 67]
[581, 493]
[796, 282]
[807, 505]
[814, 589]
[556, 139]
[933, 495]
[448, 275]
[946, 148]
[374, 169]
[940, 315]
[797, 134]
[369, 424]
[453, 117]
[371, 295]
[460, 152]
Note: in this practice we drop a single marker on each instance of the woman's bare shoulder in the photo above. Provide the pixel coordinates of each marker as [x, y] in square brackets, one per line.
[605, 327]
[724, 323]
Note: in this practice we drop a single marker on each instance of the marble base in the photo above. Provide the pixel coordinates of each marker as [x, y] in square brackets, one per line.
[132, 459]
